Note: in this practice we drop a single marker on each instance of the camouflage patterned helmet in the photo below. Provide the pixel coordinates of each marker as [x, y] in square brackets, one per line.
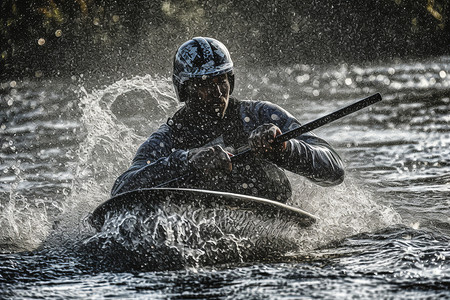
[201, 57]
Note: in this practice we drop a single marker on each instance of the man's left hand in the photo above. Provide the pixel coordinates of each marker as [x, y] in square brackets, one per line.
[261, 141]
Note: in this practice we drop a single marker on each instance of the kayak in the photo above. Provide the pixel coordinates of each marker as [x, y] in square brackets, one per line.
[150, 198]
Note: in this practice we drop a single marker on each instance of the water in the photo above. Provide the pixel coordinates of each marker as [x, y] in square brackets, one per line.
[383, 233]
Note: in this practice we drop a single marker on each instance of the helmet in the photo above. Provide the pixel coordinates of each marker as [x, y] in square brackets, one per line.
[201, 57]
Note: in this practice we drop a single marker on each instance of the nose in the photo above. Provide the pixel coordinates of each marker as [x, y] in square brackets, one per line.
[216, 90]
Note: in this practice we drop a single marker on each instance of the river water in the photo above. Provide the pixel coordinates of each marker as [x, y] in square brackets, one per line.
[383, 233]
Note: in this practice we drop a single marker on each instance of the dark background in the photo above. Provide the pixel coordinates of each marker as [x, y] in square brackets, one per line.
[129, 37]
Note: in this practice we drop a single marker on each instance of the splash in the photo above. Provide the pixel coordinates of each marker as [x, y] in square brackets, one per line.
[344, 210]
[187, 236]
[172, 237]
[108, 144]
[24, 222]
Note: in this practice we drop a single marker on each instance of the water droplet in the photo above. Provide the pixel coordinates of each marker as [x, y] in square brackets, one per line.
[58, 33]
[443, 74]
[274, 117]
[302, 79]
[348, 81]
[41, 42]
[13, 84]
[246, 119]
[415, 225]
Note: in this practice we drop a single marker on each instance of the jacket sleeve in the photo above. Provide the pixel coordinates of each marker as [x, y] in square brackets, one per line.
[155, 163]
[306, 155]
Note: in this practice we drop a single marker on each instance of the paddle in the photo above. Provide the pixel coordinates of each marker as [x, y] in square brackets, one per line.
[302, 129]
[318, 122]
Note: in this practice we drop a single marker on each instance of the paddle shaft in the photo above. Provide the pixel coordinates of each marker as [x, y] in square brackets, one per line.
[302, 129]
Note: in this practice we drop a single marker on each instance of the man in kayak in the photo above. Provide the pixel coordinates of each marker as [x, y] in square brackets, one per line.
[212, 126]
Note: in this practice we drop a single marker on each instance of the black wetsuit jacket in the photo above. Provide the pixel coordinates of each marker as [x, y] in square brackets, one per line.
[164, 155]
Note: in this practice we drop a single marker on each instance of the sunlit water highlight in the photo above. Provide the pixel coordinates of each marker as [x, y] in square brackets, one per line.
[384, 231]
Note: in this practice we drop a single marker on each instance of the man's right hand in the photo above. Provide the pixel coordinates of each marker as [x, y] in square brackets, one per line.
[210, 160]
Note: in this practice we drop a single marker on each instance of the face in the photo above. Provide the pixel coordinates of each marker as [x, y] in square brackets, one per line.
[209, 97]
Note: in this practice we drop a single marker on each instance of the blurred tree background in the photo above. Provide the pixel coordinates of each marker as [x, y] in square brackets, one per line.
[41, 38]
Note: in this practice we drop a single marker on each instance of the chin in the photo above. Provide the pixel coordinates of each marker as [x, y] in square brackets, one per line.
[220, 114]
[217, 116]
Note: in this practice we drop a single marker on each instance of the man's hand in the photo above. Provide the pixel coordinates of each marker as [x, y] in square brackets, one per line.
[210, 160]
[261, 141]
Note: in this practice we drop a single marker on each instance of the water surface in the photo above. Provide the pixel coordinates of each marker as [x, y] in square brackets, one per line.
[383, 233]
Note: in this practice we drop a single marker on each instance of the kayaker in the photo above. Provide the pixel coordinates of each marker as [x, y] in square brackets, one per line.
[211, 126]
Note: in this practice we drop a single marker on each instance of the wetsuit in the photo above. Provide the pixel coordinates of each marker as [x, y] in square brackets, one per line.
[164, 155]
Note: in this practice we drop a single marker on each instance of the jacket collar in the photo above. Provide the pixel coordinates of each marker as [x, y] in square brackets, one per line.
[184, 118]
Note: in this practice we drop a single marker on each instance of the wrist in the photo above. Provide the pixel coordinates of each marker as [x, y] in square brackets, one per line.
[284, 150]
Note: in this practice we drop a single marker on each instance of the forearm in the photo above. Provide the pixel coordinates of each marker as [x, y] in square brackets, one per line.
[313, 158]
[146, 175]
